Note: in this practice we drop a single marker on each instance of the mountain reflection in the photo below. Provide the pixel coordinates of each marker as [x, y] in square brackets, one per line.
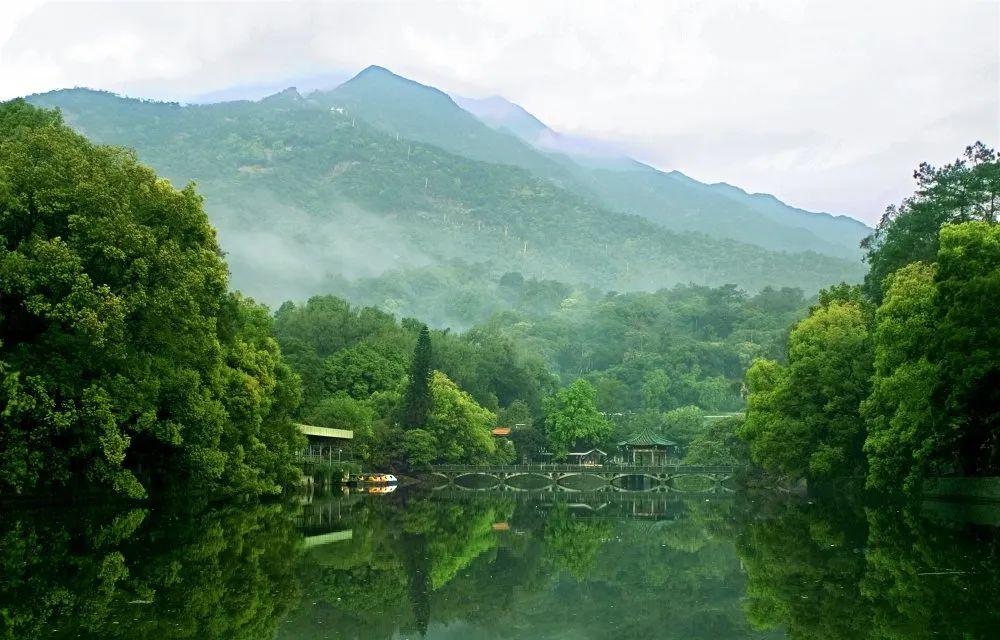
[487, 565]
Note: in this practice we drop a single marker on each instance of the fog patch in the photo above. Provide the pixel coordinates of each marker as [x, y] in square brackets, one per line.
[277, 252]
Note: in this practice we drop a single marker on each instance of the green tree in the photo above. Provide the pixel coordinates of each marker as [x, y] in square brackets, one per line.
[934, 401]
[803, 420]
[655, 390]
[967, 344]
[341, 411]
[125, 360]
[571, 415]
[417, 401]
[528, 438]
[683, 424]
[965, 190]
[420, 448]
[719, 443]
[899, 413]
[459, 424]
[363, 369]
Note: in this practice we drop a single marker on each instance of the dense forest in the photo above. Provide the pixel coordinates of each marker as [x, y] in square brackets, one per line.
[898, 379]
[655, 360]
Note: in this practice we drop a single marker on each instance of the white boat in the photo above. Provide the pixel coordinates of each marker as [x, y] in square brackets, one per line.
[375, 478]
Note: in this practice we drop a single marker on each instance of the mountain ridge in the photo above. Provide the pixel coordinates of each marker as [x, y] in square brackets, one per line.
[303, 194]
[641, 188]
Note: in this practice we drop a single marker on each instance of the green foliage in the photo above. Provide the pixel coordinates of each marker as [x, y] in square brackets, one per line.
[354, 360]
[930, 405]
[682, 425]
[719, 443]
[419, 448]
[967, 342]
[459, 424]
[124, 361]
[417, 401]
[963, 191]
[571, 416]
[334, 471]
[899, 412]
[341, 411]
[362, 369]
[802, 420]
[527, 435]
[655, 389]
[933, 406]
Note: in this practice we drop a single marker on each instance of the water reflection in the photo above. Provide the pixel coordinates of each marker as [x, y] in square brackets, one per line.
[178, 573]
[481, 565]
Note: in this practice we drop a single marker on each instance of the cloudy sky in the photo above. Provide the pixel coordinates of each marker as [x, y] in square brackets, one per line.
[829, 104]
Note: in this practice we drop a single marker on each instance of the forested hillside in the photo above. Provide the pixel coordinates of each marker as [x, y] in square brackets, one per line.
[654, 360]
[304, 192]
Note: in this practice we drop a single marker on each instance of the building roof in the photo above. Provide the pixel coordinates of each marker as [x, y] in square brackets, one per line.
[646, 438]
[584, 453]
[501, 431]
[324, 432]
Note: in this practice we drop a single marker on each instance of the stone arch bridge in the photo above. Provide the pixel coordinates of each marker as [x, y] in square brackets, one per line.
[658, 478]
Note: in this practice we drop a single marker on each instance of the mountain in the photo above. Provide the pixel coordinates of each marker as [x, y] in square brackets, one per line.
[500, 114]
[400, 106]
[501, 132]
[673, 199]
[307, 190]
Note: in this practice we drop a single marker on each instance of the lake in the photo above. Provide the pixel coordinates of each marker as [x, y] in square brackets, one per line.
[476, 565]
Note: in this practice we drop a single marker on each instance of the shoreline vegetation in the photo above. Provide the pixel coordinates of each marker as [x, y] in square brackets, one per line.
[128, 367]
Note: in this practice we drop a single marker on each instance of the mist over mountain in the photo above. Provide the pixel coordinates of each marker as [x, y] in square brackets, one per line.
[673, 199]
[385, 175]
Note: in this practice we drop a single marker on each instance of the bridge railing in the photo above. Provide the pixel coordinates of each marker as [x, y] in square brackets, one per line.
[551, 466]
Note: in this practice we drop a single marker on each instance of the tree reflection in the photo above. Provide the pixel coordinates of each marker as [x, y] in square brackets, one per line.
[838, 570]
[411, 565]
[200, 573]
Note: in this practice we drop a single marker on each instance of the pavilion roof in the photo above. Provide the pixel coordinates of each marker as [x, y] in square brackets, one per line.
[585, 453]
[646, 438]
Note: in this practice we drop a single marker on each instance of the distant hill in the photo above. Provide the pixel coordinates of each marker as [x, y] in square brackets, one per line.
[673, 199]
[419, 112]
[306, 190]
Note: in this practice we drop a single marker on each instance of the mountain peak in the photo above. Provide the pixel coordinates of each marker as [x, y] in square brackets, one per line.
[289, 93]
[375, 73]
[374, 69]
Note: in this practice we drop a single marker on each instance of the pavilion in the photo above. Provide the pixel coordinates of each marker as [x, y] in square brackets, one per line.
[323, 442]
[648, 448]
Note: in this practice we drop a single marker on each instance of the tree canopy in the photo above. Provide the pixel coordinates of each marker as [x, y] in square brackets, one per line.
[124, 360]
[571, 417]
[910, 363]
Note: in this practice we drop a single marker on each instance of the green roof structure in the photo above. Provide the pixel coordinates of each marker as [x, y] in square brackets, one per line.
[646, 438]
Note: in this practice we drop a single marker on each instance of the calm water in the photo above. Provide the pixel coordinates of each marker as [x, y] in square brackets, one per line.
[476, 565]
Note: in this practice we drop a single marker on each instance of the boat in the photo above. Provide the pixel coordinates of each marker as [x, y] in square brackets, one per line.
[374, 478]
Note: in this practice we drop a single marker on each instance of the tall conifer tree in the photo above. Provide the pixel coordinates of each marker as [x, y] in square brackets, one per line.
[417, 403]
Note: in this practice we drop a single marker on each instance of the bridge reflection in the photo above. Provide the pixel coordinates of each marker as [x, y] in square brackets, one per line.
[611, 479]
[614, 505]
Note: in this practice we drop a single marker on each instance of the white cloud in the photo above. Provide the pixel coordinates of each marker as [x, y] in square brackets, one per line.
[827, 104]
